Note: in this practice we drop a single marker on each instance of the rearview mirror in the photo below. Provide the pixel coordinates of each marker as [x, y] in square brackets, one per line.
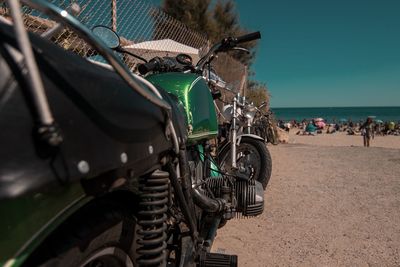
[107, 35]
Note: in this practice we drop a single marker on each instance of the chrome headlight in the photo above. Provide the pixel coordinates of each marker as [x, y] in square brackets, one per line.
[249, 115]
[227, 113]
[249, 112]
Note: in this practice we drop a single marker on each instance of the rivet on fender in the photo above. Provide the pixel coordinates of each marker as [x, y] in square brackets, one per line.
[124, 157]
[83, 167]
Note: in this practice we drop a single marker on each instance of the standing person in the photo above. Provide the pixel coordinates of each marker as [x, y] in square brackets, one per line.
[367, 131]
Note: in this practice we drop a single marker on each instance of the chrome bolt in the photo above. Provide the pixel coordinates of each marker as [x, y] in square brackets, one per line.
[151, 150]
[124, 157]
[83, 167]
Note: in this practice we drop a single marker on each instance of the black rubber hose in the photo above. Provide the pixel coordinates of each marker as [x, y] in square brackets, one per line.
[205, 203]
[184, 205]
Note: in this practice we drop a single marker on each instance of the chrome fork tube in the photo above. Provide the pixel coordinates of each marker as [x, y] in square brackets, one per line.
[233, 134]
[35, 82]
[248, 128]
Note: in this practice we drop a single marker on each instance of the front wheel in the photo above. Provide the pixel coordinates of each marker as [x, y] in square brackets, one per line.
[253, 160]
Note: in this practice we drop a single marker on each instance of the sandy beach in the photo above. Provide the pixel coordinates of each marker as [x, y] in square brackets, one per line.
[330, 202]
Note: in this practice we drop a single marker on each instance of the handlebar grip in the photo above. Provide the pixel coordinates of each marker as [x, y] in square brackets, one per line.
[149, 66]
[248, 37]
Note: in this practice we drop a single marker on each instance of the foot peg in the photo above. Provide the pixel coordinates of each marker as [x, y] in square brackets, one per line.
[218, 260]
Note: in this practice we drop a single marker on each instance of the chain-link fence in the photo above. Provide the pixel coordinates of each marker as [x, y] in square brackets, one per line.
[144, 30]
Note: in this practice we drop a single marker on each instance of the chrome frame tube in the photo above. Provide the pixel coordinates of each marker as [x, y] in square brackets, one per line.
[74, 9]
[35, 82]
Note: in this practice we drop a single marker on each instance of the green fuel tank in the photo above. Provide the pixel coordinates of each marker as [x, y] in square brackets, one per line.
[194, 94]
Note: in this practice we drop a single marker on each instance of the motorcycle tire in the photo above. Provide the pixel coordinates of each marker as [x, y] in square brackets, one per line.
[263, 160]
[101, 235]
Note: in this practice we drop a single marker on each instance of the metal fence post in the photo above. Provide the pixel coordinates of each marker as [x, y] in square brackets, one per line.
[114, 15]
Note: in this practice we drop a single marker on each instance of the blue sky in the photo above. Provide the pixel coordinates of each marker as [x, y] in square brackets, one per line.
[316, 53]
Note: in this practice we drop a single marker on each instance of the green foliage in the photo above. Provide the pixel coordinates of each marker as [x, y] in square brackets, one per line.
[226, 22]
[192, 13]
[257, 93]
[220, 22]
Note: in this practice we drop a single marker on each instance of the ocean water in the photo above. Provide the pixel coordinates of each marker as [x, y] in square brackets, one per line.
[337, 113]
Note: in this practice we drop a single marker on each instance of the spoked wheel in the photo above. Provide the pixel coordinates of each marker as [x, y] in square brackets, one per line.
[253, 160]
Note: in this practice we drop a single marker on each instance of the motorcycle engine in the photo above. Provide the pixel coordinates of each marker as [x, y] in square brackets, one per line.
[246, 196]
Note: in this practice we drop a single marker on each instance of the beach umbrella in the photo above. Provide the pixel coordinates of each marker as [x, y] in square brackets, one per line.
[320, 124]
[379, 121]
[343, 120]
[318, 119]
[372, 117]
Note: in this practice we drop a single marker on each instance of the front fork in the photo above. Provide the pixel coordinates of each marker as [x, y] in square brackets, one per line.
[233, 135]
[234, 131]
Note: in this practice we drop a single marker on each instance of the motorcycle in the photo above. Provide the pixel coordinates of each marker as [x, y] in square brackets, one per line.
[101, 167]
[248, 156]
[240, 153]
[264, 125]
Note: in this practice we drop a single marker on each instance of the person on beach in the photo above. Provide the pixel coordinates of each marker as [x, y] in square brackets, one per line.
[366, 131]
[311, 128]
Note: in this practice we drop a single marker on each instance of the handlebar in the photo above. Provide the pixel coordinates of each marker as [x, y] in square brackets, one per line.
[149, 66]
[248, 37]
[164, 64]
[225, 45]
[231, 42]
[160, 64]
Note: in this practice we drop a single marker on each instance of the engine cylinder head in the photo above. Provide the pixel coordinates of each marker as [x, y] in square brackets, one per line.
[249, 194]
